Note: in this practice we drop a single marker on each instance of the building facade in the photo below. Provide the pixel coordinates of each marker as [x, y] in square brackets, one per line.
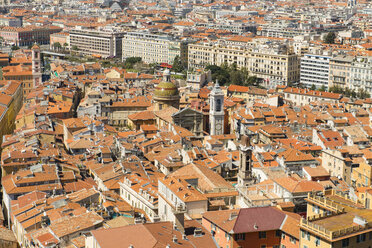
[153, 48]
[271, 63]
[315, 71]
[25, 36]
[103, 43]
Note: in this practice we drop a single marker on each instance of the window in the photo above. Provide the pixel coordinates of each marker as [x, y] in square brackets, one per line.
[277, 233]
[361, 238]
[218, 105]
[317, 241]
[240, 236]
[262, 235]
[345, 243]
[263, 246]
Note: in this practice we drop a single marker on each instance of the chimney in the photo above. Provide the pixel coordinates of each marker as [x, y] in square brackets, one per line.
[179, 220]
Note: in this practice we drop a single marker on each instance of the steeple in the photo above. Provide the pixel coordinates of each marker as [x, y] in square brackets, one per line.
[216, 110]
[245, 162]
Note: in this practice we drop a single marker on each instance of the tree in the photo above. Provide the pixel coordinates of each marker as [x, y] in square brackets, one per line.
[65, 45]
[362, 93]
[337, 89]
[15, 47]
[219, 73]
[131, 61]
[57, 46]
[179, 65]
[313, 87]
[236, 77]
[330, 38]
[323, 88]
[75, 48]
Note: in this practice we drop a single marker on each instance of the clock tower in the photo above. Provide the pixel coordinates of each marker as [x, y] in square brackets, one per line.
[216, 110]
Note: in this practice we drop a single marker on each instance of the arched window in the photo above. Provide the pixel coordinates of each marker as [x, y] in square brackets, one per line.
[218, 105]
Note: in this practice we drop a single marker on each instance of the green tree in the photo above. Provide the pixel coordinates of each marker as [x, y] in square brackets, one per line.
[313, 87]
[74, 48]
[131, 61]
[363, 94]
[323, 88]
[330, 38]
[57, 46]
[15, 47]
[337, 89]
[179, 65]
[236, 77]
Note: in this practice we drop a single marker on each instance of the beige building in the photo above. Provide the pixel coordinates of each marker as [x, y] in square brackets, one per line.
[337, 164]
[335, 221]
[103, 43]
[339, 71]
[274, 63]
[153, 48]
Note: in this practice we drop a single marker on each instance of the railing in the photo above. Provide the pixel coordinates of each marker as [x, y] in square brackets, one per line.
[330, 235]
[329, 204]
[321, 231]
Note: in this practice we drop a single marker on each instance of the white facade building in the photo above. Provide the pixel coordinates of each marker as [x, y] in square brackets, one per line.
[314, 70]
[153, 48]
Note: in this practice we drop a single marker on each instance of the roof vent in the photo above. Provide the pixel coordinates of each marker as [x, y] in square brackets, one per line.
[255, 226]
[174, 239]
[233, 215]
[198, 232]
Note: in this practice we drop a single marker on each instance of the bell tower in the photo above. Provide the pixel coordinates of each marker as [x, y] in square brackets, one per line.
[36, 65]
[216, 110]
[245, 163]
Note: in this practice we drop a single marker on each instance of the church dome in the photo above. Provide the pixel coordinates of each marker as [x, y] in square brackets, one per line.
[166, 89]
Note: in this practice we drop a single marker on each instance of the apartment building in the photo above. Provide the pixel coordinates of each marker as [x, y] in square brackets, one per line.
[315, 70]
[10, 21]
[339, 71]
[334, 220]
[153, 48]
[361, 74]
[301, 97]
[141, 193]
[236, 28]
[11, 99]
[282, 31]
[99, 42]
[272, 62]
[25, 36]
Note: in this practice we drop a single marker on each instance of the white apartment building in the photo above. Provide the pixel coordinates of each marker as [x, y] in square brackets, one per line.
[140, 193]
[315, 70]
[105, 43]
[153, 48]
[270, 62]
[361, 74]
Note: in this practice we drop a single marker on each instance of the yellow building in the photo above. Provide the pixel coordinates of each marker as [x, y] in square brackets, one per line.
[335, 221]
[275, 63]
[361, 176]
[29, 75]
[11, 97]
